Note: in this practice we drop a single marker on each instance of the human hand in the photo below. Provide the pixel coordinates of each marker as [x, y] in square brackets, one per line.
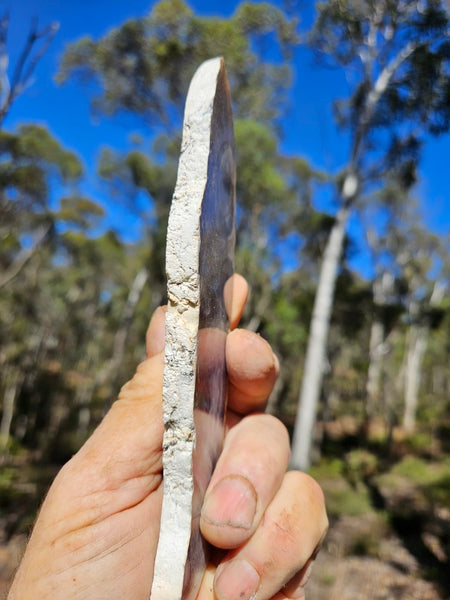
[97, 531]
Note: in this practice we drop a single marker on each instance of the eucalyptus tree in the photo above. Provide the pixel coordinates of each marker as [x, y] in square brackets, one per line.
[39, 205]
[422, 259]
[387, 285]
[396, 58]
[144, 66]
[32, 161]
[143, 69]
[28, 155]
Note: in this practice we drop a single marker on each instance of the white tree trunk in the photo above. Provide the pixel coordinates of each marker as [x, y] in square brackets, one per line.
[375, 366]
[23, 257]
[127, 318]
[316, 348]
[111, 368]
[9, 399]
[418, 340]
[382, 289]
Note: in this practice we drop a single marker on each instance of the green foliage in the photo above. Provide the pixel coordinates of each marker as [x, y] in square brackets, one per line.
[367, 541]
[439, 490]
[420, 442]
[343, 499]
[262, 199]
[62, 294]
[257, 152]
[420, 471]
[30, 157]
[145, 65]
[398, 53]
[427, 482]
[79, 211]
[341, 496]
[327, 469]
[34, 142]
[360, 464]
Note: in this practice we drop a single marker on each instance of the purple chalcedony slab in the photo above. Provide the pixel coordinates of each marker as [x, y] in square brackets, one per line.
[199, 261]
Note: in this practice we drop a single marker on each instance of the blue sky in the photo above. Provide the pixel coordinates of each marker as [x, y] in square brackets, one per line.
[308, 125]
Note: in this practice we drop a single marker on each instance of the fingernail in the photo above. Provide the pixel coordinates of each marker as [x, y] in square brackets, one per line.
[156, 332]
[236, 579]
[231, 502]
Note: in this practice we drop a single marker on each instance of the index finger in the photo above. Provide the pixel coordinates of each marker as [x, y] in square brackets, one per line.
[251, 365]
[235, 294]
[252, 371]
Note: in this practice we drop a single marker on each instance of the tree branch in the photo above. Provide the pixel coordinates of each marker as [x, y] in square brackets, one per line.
[22, 258]
[25, 65]
[375, 94]
[48, 34]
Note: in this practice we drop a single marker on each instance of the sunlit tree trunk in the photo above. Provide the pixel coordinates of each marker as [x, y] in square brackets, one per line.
[418, 340]
[7, 416]
[9, 398]
[111, 370]
[377, 334]
[316, 348]
[315, 353]
[382, 289]
[417, 345]
[129, 310]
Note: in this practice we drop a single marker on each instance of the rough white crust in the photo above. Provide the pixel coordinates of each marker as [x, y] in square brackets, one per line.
[182, 260]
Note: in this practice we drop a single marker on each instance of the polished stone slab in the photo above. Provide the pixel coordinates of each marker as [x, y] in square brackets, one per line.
[199, 261]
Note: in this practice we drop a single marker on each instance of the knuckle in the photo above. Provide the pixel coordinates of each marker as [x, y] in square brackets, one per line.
[311, 497]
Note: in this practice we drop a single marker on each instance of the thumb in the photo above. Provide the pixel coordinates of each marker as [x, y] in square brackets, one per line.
[118, 468]
[128, 442]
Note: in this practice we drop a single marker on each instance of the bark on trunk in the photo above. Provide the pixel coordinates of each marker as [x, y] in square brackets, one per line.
[127, 318]
[9, 399]
[23, 257]
[315, 354]
[7, 416]
[377, 334]
[382, 288]
[416, 351]
[418, 340]
[111, 370]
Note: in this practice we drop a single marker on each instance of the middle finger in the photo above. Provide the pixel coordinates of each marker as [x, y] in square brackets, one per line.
[246, 478]
[252, 371]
